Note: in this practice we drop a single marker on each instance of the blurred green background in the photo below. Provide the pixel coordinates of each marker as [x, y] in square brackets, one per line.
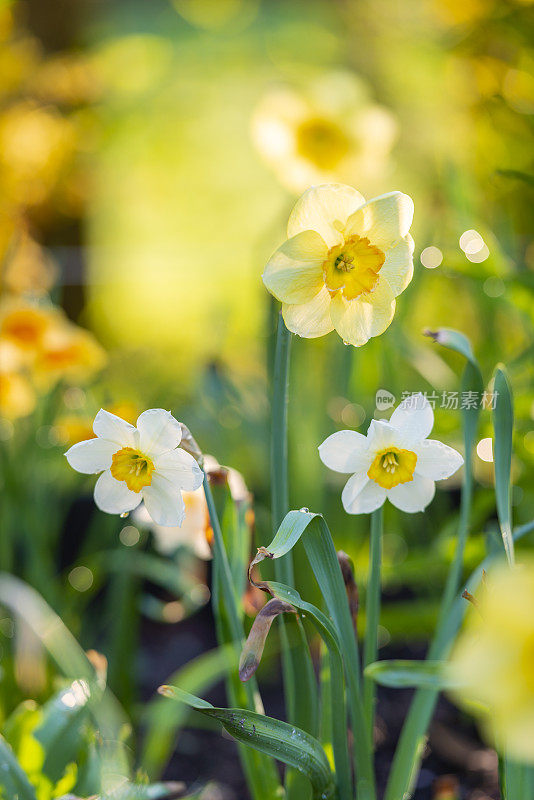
[150, 155]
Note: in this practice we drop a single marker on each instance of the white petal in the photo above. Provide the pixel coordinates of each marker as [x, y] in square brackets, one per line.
[180, 468]
[294, 274]
[163, 501]
[158, 431]
[381, 434]
[109, 426]
[310, 319]
[93, 455]
[113, 496]
[398, 266]
[414, 417]
[346, 451]
[369, 315]
[412, 496]
[383, 220]
[436, 460]
[325, 209]
[361, 495]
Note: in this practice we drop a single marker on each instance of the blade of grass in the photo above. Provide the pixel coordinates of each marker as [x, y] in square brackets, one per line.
[503, 425]
[372, 616]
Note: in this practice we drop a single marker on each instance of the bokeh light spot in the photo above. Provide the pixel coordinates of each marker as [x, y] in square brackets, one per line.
[485, 449]
[81, 578]
[431, 257]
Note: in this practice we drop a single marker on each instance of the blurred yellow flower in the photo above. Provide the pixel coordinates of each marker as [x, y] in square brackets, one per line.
[68, 353]
[48, 343]
[73, 428]
[344, 262]
[17, 397]
[493, 660]
[25, 324]
[36, 145]
[329, 132]
[24, 267]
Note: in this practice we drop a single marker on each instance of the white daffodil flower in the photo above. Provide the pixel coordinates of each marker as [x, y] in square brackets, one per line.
[142, 463]
[395, 461]
[344, 262]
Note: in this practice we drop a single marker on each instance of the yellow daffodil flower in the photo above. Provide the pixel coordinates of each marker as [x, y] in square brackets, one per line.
[141, 463]
[325, 131]
[493, 660]
[395, 461]
[344, 262]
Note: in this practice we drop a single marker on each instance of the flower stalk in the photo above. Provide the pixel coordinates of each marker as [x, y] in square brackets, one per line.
[372, 615]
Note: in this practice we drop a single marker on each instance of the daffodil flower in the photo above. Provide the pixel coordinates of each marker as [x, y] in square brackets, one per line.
[395, 461]
[344, 262]
[138, 463]
[493, 660]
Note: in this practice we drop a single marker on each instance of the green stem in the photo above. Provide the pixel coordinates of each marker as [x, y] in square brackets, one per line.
[372, 616]
[279, 469]
[295, 655]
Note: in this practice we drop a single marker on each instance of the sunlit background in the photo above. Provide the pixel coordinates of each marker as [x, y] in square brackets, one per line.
[150, 153]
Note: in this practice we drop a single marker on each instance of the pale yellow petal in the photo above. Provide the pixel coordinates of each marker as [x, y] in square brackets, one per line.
[369, 315]
[294, 274]
[325, 209]
[382, 301]
[383, 220]
[312, 319]
[398, 266]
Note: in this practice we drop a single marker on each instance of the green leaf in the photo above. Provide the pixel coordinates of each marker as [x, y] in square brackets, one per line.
[110, 720]
[322, 556]
[336, 699]
[260, 771]
[454, 340]
[60, 732]
[503, 426]
[399, 674]
[14, 782]
[282, 741]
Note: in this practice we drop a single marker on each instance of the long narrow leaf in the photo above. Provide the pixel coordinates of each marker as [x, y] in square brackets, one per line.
[399, 674]
[280, 740]
[13, 780]
[503, 425]
[322, 556]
